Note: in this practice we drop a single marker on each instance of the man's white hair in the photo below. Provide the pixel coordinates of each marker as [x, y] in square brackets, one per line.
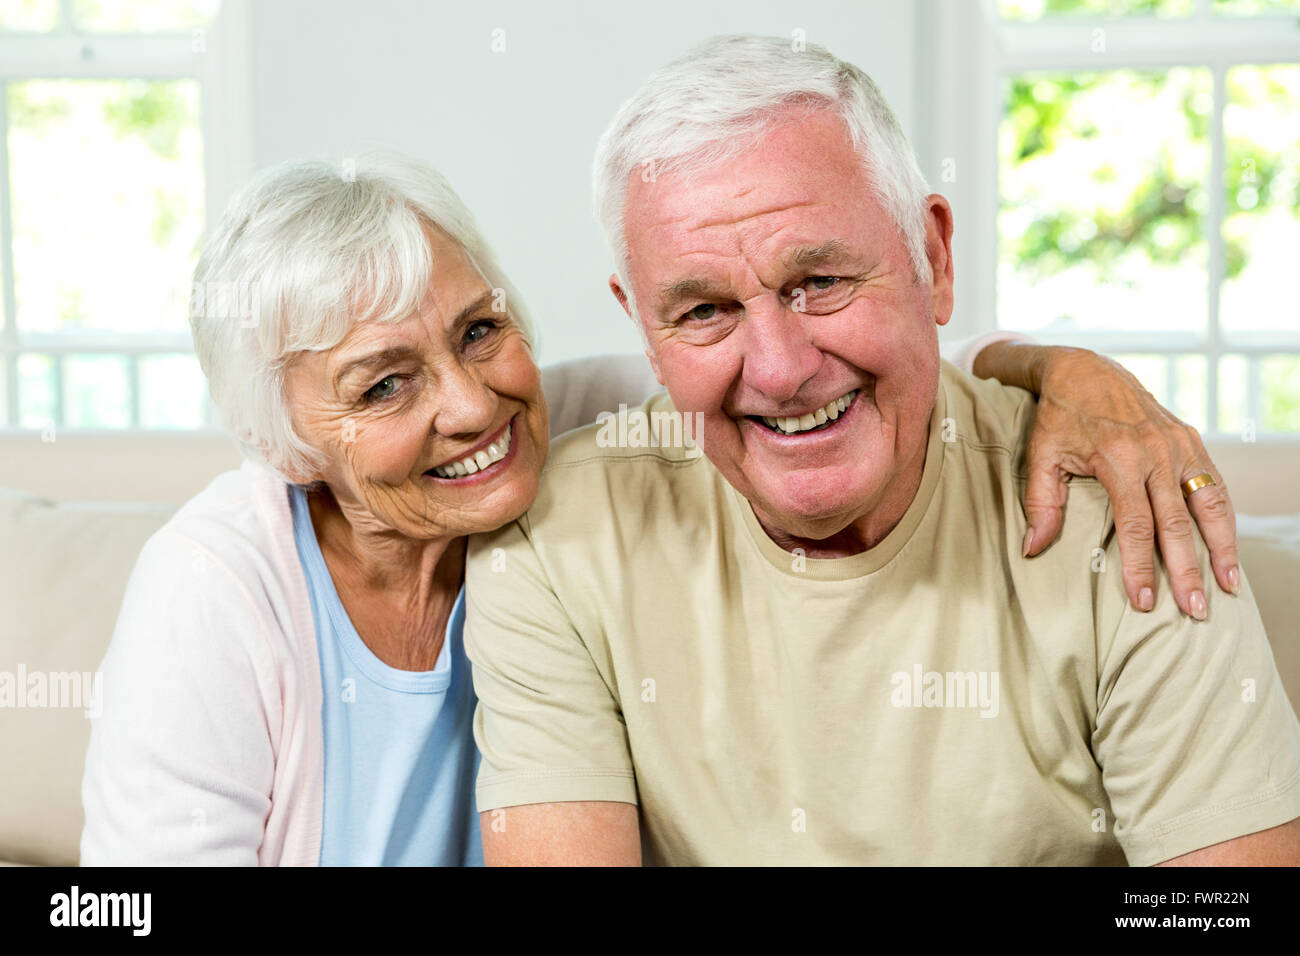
[711, 104]
[301, 254]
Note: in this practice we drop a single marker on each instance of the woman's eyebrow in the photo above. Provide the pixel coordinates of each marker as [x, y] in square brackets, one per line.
[393, 353]
[468, 310]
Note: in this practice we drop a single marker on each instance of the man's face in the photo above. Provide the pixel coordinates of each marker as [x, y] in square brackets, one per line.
[774, 286]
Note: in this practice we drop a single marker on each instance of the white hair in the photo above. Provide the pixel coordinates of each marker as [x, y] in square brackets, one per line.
[709, 105]
[302, 253]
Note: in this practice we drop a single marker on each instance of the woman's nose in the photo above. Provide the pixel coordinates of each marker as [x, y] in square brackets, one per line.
[466, 405]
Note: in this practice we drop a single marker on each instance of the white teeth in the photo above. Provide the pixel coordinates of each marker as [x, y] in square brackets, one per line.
[479, 461]
[828, 412]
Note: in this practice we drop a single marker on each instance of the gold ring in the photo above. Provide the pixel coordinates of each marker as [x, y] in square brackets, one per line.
[1194, 484]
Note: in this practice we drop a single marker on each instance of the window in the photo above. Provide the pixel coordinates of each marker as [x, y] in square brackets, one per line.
[102, 196]
[1148, 203]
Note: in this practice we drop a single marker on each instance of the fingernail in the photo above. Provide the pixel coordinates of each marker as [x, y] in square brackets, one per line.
[1197, 602]
[1146, 599]
[1234, 580]
[1029, 543]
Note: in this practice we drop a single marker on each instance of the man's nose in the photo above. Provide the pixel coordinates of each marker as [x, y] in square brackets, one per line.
[779, 353]
[464, 404]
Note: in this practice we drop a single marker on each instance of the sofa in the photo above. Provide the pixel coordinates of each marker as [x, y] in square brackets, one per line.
[75, 512]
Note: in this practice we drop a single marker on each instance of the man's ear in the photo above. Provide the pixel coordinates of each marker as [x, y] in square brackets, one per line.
[616, 287]
[938, 250]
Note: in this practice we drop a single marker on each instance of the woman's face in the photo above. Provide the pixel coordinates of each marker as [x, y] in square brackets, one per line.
[433, 426]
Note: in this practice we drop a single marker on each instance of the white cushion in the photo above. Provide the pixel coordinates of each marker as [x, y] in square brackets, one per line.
[63, 570]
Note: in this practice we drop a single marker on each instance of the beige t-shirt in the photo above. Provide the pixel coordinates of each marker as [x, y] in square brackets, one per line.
[937, 699]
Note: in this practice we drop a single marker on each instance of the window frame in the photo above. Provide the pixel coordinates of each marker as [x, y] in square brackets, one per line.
[217, 57]
[972, 41]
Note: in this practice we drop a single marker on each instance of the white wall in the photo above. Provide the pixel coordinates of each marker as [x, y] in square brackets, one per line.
[515, 131]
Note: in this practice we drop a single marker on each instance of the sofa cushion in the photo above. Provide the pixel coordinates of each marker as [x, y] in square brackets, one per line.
[63, 570]
[1270, 556]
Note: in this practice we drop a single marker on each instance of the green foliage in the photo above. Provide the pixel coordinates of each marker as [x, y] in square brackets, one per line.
[1156, 217]
[1159, 217]
[1280, 390]
[157, 112]
[31, 108]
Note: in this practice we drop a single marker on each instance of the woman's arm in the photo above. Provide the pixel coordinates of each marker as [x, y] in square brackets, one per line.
[181, 762]
[1094, 418]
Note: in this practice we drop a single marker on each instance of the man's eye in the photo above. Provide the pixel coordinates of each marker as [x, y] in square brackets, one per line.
[479, 331]
[822, 283]
[702, 313]
[384, 388]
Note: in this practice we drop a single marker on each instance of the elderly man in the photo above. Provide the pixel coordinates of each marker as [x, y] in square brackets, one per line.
[818, 641]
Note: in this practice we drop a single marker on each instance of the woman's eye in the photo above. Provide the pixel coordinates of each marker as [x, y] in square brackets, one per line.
[478, 331]
[822, 283]
[702, 313]
[384, 388]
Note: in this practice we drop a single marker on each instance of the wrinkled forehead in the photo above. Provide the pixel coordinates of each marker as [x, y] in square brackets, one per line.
[807, 167]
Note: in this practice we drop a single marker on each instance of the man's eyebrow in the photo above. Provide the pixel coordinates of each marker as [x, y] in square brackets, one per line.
[689, 288]
[816, 255]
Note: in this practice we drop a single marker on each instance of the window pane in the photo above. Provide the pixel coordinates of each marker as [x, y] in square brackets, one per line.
[1189, 390]
[1232, 393]
[1279, 385]
[122, 16]
[1151, 371]
[1261, 228]
[1252, 7]
[172, 390]
[29, 16]
[1037, 9]
[35, 391]
[96, 392]
[107, 180]
[1103, 197]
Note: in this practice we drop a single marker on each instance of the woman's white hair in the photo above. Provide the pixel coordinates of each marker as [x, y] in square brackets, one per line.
[301, 254]
[709, 105]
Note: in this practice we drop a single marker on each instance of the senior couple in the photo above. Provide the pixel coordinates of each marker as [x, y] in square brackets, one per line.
[816, 636]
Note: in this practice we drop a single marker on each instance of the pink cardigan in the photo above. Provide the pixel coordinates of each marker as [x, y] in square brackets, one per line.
[210, 746]
[210, 749]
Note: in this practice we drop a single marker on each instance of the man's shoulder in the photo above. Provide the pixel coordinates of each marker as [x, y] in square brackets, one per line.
[626, 455]
[987, 417]
[988, 425]
[619, 479]
[652, 432]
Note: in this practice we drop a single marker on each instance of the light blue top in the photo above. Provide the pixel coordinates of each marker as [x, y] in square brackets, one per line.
[400, 759]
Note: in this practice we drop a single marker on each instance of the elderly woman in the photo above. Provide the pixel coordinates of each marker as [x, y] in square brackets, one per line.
[287, 682]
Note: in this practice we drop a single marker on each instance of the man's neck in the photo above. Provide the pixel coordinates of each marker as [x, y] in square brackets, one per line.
[868, 528]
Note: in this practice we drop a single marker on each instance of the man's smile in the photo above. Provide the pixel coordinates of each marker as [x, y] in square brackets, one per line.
[803, 427]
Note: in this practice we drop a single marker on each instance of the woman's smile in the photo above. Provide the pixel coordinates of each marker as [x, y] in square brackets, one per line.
[484, 462]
